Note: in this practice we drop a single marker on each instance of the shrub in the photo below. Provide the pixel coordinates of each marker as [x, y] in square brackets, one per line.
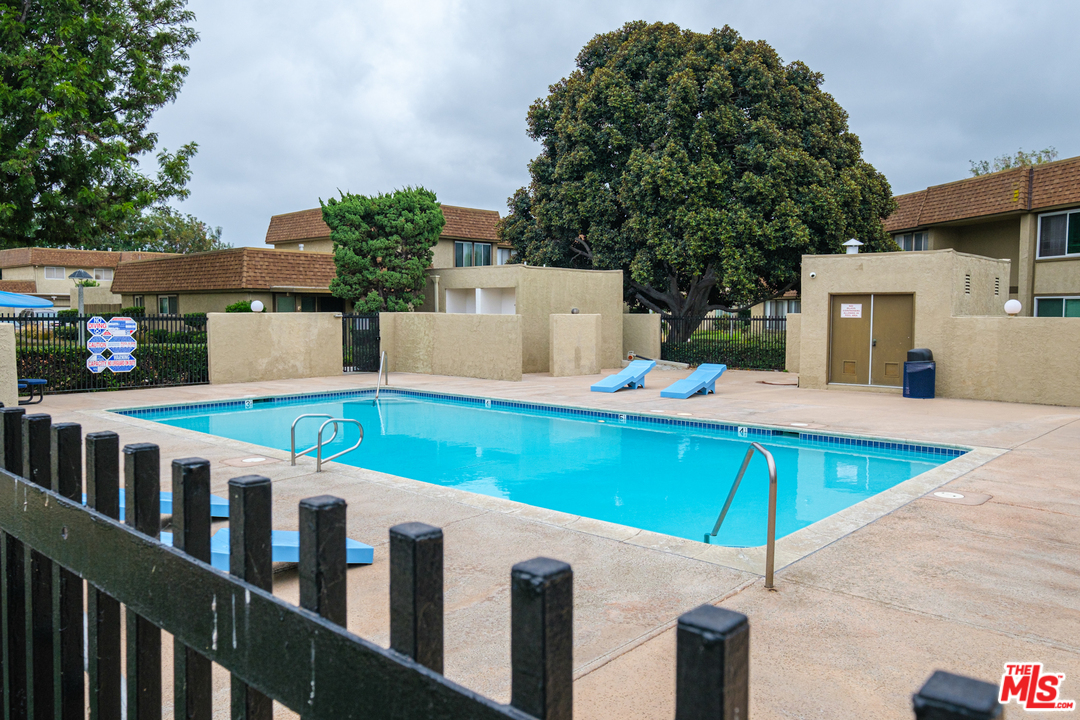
[73, 312]
[241, 306]
[196, 321]
[133, 310]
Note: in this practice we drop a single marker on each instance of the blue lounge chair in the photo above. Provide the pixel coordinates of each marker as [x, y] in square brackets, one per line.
[219, 506]
[632, 376]
[285, 547]
[703, 380]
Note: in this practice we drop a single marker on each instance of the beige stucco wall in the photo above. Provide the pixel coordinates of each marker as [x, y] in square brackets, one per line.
[479, 346]
[250, 347]
[9, 372]
[202, 302]
[793, 337]
[997, 239]
[541, 292]
[1057, 277]
[935, 277]
[574, 345]
[1021, 359]
[93, 296]
[443, 254]
[641, 333]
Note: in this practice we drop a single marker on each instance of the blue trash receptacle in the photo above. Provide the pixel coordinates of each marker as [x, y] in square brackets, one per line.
[919, 379]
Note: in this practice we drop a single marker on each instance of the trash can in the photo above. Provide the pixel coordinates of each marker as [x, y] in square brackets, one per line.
[920, 372]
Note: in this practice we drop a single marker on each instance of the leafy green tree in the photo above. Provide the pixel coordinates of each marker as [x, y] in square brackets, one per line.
[700, 165]
[382, 246]
[163, 230]
[1010, 162]
[79, 83]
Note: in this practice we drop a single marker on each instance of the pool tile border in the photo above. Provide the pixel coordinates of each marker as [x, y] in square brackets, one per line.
[813, 438]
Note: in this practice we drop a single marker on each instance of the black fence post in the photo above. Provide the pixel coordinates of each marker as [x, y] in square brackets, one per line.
[37, 468]
[142, 511]
[250, 559]
[68, 613]
[192, 691]
[416, 593]
[103, 612]
[322, 557]
[712, 656]
[542, 638]
[953, 697]
[14, 577]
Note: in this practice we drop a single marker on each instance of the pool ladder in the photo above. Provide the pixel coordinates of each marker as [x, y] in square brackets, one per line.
[378, 381]
[770, 548]
[318, 446]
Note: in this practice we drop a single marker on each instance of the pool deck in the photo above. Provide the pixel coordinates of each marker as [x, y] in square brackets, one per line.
[858, 621]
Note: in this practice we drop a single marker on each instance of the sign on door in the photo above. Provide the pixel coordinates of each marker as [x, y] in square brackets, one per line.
[851, 310]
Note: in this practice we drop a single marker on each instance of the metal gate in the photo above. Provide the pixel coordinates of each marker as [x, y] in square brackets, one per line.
[360, 342]
[751, 343]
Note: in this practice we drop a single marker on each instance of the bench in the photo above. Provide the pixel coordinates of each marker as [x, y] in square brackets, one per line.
[31, 385]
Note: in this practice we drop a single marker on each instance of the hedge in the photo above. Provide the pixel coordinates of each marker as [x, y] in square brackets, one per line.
[158, 364]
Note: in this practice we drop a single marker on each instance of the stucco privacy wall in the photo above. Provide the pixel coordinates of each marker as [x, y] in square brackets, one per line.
[792, 342]
[207, 302]
[574, 345]
[1021, 359]
[938, 279]
[9, 372]
[93, 296]
[479, 346]
[540, 292]
[641, 333]
[250, 347]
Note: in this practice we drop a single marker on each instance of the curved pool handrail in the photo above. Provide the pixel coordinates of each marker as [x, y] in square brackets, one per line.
[318, 455]
[770, 548]
[292, 436]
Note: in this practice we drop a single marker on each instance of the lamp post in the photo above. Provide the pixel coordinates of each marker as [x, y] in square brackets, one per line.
[78, 276]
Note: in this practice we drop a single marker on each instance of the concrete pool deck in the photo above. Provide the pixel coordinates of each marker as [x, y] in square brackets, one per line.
[854, 628]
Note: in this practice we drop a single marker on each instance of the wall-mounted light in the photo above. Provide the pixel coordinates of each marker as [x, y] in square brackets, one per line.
[1013, 308]
[257, 306]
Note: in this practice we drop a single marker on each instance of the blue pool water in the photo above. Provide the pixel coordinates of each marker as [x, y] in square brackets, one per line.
[656, 473]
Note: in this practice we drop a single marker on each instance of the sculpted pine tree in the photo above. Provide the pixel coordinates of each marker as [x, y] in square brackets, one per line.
[79, 83]
[382, 246]
[700, 165]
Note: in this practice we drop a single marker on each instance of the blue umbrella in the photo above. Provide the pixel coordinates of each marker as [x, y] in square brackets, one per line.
[18, 300]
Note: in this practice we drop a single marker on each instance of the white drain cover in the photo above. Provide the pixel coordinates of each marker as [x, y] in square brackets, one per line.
[948, 495]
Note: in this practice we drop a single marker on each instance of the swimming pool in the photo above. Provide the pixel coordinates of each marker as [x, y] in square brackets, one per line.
[659, 473]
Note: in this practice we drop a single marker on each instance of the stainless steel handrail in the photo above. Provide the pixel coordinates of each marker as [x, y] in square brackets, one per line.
[770, 548]
[378, 380]
[318, 456]
[292, 436]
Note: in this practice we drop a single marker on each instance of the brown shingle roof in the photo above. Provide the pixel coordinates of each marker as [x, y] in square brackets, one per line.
[463, 223]
[236, 269]
[1019, 190]
[21, 257]
[26, 287]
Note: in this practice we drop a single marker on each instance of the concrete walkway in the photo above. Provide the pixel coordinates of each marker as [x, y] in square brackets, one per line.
[853, 629]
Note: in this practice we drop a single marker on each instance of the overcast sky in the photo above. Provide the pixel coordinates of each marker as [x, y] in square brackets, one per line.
[290, 101]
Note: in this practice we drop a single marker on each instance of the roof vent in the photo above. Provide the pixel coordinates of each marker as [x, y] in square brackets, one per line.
[853, 246]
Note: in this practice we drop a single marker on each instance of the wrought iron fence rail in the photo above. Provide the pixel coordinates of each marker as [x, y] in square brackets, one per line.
[172, 350]
[757, 343]
[360, 342]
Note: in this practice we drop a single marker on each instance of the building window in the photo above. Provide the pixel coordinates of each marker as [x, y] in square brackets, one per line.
[503, 256]
[913, 241]
[168, 305]
[1057, 307]
[138, 301]
[285, 303]
[1059, 234]
[103, 274]
[55, 273]
[470, 254]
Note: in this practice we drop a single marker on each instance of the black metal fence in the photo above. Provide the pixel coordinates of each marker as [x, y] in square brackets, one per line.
[171, 350]
[360, 342]
[753, 343]
[55, 552]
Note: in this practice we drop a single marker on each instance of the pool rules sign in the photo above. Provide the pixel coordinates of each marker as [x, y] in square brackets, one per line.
[111, 344]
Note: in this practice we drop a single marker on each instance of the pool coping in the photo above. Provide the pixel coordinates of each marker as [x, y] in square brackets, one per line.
[789, 549]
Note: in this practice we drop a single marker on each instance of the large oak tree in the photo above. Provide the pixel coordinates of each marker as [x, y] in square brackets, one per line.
[79, 83]
[700, 165]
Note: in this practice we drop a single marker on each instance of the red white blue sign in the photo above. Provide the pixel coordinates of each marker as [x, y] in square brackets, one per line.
[97, 345]
[124, 344]
[122, 326]
[96, 326]
[121, 362]
[96, 363]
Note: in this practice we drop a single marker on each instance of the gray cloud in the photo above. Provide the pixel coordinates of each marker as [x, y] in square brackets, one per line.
[291, 102]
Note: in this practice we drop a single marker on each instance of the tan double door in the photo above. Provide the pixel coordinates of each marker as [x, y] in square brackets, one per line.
[870, 337]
